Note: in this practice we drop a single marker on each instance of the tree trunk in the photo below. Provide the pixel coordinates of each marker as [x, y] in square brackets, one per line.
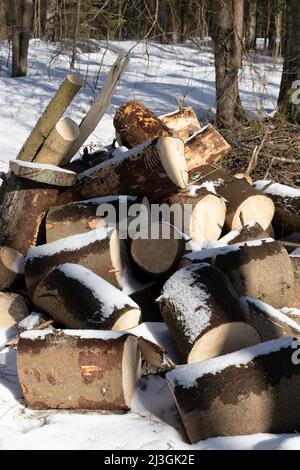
[204, 315]
[96, 371]
[226, 59]
[247, 392]
[14, 20]
[238, 23]
[25, 34]
[182, 123]
[77, 298]
[76, 34]
[251, 26]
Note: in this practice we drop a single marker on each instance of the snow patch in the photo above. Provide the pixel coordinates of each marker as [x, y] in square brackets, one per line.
[277, 189]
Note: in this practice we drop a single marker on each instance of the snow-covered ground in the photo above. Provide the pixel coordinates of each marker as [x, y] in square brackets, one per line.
[157, 75]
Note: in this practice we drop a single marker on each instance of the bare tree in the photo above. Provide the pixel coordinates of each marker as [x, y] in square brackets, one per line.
[251, 25]
[76, 34]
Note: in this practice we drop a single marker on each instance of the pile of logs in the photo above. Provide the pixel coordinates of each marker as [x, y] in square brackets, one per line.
[228, 288]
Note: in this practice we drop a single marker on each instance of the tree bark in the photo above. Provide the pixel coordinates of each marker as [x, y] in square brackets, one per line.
[45, 174]
[76, 34]
[25, 34]
[182, 123]
[251, 26]
[14, 20]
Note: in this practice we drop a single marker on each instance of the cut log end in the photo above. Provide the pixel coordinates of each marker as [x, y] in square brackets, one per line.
[12, 260]
[128, 320]
[171, 151]
[208, 219]
[75, 79]
[131, 365]
[249, 209]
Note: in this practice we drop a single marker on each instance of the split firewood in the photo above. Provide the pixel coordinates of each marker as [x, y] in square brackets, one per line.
[152, 169]
[81, 217]
[159, 252]
[199, 211]
[183, 122]
[248, 265]
[205, 147]
[43, 173]
[101, 251]
[23, 206]
[89, 370]
[204, 315]
[244, 233]
[240, 196]
[135, 124]
[11, 266]
[145, 298]
[56, 148]
[13, 309]
[268, 321]
[247, 392]
[287, 206]
[50, 117]
[77, 298]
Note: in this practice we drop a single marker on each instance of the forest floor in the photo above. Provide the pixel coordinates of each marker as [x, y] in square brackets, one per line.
[157, 75]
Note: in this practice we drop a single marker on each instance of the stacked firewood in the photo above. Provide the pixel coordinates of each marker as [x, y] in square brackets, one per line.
[228, 288]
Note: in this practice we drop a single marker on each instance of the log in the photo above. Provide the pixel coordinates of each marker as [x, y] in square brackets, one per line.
[81, 217]
[145, 298]
[251, 391]
[22, 209]
[153, 169]
[56, 148]
[287, 206]
[205, 147]
[292, 242]
[244, 233]
[101, 251]
[182, 123]
[268, 321]
[77, 298]
[11, 266]
[13, 309]
[260, 268]
[204, 314]
[135, 124]
[89, 370]
[240, 196]
[159, 252]
[101, 103]
[53, 112]
[43, 173]
[198, 212]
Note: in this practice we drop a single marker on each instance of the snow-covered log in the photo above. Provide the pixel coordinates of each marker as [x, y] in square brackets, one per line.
[81, 217]
[202, 211]
[287, 205]
[11, 266]
[204, 314]
[242, 199]
[13, 309]
[152, 169]
[56, 148]
[255, 390]
[88, 370]
[205, 147]
[268, 321]
[135, 124]
[43, 173]
[53, 112]
[77, 298]
[259, 268]
[23, 204]
[101, 251]
[183, 122]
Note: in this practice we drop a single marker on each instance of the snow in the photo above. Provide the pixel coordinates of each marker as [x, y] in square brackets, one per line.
[109, 296]
[291, 311]
[43, 166]
[272, 312]
[186, 375]
[157, 75]
[190, 300]
[295, 253]
[194, 188]
[33, 320]
[277, 189]
[82, 334]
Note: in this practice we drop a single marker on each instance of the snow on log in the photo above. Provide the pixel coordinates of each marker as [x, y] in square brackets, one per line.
[88, 370]
[182, 123]
[287, 205]
[22, 208]
[259, 268]
[205, 147]
[242, 199]
[158, 254]
[43, 173]
[78, 298]
[152, 169]
[255, 390]
[202, 211]
[204, 314]
[53, 112]
[135, 124]
[56, 148]
[101, 251]
[81, 217]
[268, 321]
[13, 309]
[292, 313]
[11, 266]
